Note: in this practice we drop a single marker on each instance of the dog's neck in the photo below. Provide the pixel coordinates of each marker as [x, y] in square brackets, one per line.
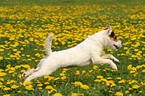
[100, 39]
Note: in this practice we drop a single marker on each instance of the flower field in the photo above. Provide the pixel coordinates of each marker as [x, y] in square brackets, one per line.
[25, 25]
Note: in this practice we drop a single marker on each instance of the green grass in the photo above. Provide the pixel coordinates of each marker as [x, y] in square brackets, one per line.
[26, 24]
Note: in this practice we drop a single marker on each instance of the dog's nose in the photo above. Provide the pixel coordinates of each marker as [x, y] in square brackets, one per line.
[120, 43]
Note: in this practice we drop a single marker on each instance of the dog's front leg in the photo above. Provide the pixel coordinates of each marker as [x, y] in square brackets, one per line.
[99, 60]
[105, 56]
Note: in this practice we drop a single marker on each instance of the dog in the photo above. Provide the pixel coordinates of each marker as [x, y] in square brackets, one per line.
[90, 50]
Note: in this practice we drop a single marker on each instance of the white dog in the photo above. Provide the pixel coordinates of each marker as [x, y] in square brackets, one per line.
[89, 50]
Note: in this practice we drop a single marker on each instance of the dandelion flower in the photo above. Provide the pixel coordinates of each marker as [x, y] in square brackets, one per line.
[83, 71]
[7, 95]
[2, 74]
[64, 77]
[77, 83]
[85, 87]
[74, 94]
[6, 88]
[57, 94]
[1, 58]
[39, 84]
[119, 94]
[135, 86]
[29, 87]
[97, 80]
[77, 72]
[143, 70]
[14, 87]
[48, 87]
[27, 83]
[99, 76]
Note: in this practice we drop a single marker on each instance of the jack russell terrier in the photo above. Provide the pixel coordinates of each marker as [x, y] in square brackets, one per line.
[89, 50]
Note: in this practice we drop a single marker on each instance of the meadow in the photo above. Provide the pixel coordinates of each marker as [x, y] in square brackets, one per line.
[25, 25]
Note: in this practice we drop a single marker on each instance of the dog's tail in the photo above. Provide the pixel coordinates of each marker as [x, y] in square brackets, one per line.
[48, 45]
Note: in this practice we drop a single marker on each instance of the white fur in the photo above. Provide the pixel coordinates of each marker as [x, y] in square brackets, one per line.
[89, 50]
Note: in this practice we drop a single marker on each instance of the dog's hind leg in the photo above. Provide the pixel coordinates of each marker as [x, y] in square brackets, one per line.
[105, 56]
[41, 72]
[25, 74]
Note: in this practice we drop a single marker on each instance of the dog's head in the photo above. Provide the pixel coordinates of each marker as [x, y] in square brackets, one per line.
[111, 41]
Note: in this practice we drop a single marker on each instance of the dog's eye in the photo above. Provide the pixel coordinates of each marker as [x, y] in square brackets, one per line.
[115, 37]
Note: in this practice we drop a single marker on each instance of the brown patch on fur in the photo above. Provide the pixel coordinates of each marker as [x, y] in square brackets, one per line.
[113, 37]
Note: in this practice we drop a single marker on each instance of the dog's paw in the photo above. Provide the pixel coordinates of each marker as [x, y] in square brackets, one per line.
[114, 66]
[116, 60]
[23, 75]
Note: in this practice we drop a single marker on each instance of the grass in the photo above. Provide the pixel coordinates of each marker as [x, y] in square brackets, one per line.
[26, 24]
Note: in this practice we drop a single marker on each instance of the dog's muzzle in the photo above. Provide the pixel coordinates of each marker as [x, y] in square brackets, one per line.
[117, 45]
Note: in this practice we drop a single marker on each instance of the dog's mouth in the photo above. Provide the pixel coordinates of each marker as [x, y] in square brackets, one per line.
[116, 47]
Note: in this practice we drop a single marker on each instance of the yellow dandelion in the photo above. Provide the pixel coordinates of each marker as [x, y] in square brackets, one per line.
[97, 80]
[2, 74]
[46, 83]
[14, 49]
[40, 88]
[57, 94]
[83, 71]
[127, 91]
[1, 79]
[52, 91]
[29, 87]
[119, 94]
[57, 78]
[14, 87]
[1, 85]
[135, 86]
[1, 70]
[143, 70]
[27, 83]
[17, 66]
[109, 78]
[23, 70]
[85, 87]
[74, 94]
[25, 66]
[7, 95]
[64, 77]
[11, 71]
[1, 50]
[129, 67]
[132, 71]
[99, 76]
[113, 84]
[62, 74]
[77, 72]
[78, 83]
[130, 94]
[48, 87]
[31, 39]
[111, 92]
[39, 84]
[7, 88]
[1, 57]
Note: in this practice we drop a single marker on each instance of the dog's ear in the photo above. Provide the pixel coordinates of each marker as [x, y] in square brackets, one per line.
[109, 30]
